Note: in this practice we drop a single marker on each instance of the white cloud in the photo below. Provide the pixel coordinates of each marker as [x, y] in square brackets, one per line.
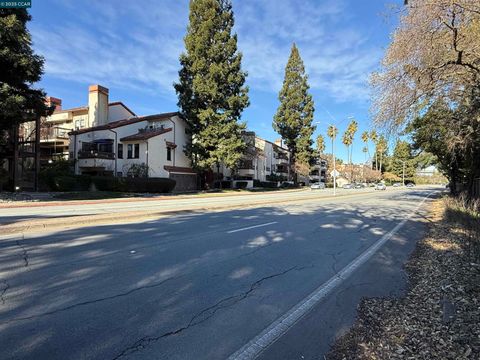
[335, 52]
[136, 47]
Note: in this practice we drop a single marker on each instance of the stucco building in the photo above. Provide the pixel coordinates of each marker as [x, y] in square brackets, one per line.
[109, 139]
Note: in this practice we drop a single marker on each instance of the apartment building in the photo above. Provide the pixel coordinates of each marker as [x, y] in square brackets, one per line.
[263, 160]
[112, 140]
[54, 138]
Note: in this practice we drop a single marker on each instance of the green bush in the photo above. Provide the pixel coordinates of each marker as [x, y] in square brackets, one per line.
[107, 183]
[71, 183]
[266, 184]
[49, 173]
[241, 184]
[153, 185]
[225, 184]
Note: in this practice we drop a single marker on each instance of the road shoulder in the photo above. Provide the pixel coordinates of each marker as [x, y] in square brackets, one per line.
[439, 318]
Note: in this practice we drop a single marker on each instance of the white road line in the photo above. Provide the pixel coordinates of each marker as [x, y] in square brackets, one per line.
[280, 326]
[251, 227]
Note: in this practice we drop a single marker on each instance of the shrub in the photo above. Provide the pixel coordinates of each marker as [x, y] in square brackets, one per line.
[241, 184]
[225, 184]
[104, 183]
[71, 183]
[269, 184]
[49, 172]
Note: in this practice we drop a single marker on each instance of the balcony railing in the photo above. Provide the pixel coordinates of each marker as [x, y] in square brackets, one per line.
[246, 165]
[95, 155]
[51, 133]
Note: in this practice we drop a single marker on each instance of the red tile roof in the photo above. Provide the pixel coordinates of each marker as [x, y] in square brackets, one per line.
[144, 135]
[132, 120]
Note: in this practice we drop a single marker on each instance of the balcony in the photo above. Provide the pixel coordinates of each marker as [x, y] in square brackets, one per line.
[282, 169]
[92, 154]
[54, 135]
[281, 156]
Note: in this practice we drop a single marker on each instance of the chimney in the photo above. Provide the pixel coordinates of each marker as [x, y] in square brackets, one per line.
[97, 105]
[52, 101]
[279, 142]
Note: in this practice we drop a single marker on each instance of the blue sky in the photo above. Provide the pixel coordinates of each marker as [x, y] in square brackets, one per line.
[132, 47]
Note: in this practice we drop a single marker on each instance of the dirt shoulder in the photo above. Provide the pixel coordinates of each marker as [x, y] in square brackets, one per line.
[439, 318]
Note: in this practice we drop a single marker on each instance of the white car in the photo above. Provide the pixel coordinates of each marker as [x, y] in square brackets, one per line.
[380, 186]
[319, 185]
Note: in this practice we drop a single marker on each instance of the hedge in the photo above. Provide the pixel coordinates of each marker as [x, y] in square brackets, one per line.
[241, 184]
[105, 183]
[265, 184]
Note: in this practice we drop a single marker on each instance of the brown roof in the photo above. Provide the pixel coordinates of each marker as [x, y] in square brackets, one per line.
[132, 120]
[178, 169]
[144, 135]
[171, 144]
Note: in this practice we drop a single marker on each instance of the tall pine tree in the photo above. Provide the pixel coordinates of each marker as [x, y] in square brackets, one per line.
[21, 68]
[211, 91]
[293, 120]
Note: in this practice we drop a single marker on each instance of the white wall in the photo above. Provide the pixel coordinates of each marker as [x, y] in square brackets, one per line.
[118, 112]
[157, 149]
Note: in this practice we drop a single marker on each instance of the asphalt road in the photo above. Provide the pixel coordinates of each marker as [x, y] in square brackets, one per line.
[9, 214]
[205, 286]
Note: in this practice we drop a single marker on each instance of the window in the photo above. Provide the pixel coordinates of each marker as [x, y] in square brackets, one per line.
[107, 147]
[120, 151]
[133, 151]
[169, 154]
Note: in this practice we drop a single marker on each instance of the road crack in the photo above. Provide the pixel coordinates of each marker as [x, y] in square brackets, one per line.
[24, 251]
[89, 302]
[204, 314]
[6, 286]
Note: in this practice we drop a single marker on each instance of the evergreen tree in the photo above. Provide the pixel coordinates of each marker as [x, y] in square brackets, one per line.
[21, 68]
[211, 91]
[293, 120]
[402, 154]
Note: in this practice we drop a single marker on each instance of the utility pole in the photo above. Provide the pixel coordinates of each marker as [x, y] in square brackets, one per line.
[403, 173]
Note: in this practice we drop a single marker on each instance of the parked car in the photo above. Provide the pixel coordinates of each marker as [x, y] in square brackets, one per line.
[359, 186]
[347, 186]
[380, 186]
[318, 185]
[410, 185]
[397, 184]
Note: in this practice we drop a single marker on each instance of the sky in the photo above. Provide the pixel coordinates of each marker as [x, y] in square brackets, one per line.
[132, 48]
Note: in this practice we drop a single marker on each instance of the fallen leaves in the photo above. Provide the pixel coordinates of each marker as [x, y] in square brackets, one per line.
[439, 318]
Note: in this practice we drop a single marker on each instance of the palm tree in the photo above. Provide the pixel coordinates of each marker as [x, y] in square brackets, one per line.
[382, 146]
[320, 144]
[353, 126]
[332, 133]
[347, 141]
[374, 138]
[365, 138]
